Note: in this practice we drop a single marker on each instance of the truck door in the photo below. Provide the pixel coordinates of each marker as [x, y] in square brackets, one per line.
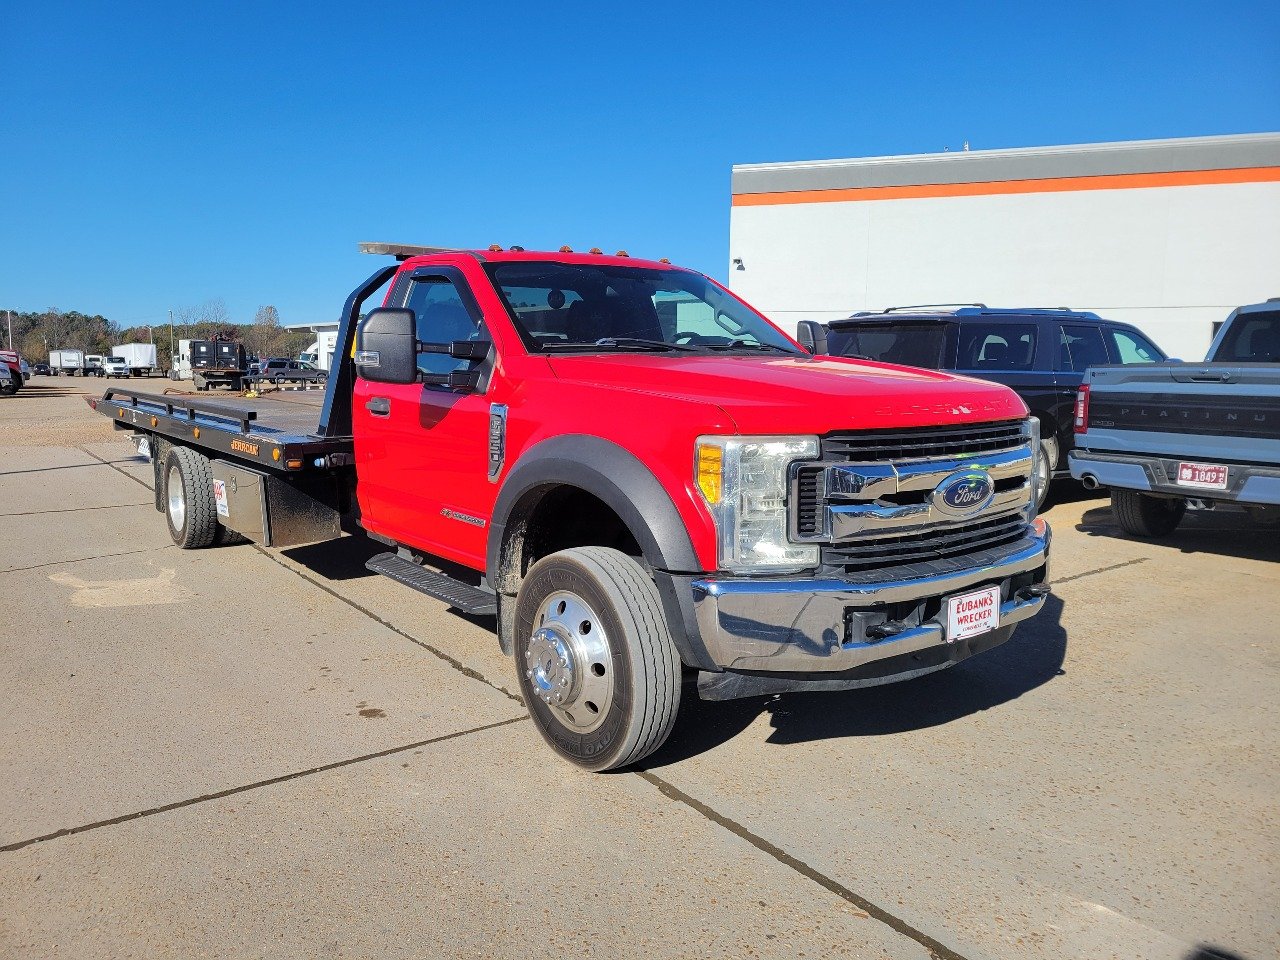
[423, 448]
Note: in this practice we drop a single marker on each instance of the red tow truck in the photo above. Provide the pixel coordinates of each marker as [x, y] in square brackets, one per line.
[641, 478]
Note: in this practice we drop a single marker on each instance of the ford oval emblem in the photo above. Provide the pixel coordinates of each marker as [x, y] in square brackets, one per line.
[964, 493]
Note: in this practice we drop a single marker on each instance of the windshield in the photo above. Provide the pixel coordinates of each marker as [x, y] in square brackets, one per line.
[115, 359]
[583, 308]
[1251, 338]
[908, 344]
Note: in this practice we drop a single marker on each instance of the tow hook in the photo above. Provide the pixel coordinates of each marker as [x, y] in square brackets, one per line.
[882, 631]
[1033, 591]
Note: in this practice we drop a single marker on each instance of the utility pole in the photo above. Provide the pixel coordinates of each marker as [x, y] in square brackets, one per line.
[9, 313]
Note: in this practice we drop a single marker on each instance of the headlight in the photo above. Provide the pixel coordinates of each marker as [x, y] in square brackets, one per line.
[744, 482]
[1040, 474]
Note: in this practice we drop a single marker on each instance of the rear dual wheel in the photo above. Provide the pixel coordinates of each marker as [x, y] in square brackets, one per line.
[189, 506]
[596, 664]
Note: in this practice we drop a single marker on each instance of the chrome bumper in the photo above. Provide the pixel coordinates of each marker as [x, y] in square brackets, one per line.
[798, 626]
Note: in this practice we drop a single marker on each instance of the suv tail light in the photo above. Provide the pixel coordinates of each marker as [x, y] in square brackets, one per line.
[1082, 409]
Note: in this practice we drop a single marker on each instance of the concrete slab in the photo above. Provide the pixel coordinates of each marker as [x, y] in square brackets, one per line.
[1102, 781]
[143, 680]
[473, 848]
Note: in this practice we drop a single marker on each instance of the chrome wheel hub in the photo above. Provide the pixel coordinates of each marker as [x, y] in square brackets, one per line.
[177, 501]
[569, 663]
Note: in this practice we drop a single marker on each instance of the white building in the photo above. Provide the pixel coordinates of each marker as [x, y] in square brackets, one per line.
[1169, 235]
[321, 351]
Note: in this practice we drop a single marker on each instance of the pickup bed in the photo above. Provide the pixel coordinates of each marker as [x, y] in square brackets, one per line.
[1166, 437]
[642, 479]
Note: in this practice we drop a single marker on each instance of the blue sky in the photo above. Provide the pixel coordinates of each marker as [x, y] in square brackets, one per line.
[157, 156]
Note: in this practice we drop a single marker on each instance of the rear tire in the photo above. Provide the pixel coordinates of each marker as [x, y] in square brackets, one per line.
[190, 511]
[596, 664]
[1142, 515]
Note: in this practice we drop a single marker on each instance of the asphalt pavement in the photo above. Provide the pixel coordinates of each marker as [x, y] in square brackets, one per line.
[241, 752]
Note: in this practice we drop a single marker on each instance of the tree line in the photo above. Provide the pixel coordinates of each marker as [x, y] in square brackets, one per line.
[36, 333]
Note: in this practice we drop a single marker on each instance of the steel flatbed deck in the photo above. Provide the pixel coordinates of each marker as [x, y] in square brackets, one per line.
[273, 432]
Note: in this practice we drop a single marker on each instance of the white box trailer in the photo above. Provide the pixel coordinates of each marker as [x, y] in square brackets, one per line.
[69, 362]
[1169, 235]
[139, 357]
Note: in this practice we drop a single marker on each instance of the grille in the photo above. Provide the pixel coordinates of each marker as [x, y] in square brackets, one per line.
[870, 446]
[937, 543]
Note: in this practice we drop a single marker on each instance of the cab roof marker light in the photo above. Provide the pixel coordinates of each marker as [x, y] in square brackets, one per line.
[622, 253]
[665, 260]
[566, 249]
[595, 250]
[495, 248]
[516, 248]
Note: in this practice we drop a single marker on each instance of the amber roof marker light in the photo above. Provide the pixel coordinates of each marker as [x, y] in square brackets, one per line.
[566, 249]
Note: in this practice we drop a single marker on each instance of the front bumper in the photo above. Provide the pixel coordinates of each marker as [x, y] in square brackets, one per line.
[1246, 483]
[819, 627]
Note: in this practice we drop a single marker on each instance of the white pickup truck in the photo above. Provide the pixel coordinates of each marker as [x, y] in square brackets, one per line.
[1165, 437]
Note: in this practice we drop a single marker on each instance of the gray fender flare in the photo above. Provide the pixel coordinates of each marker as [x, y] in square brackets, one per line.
[622, 482]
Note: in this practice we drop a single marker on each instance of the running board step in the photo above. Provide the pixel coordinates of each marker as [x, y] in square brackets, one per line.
[455, 593]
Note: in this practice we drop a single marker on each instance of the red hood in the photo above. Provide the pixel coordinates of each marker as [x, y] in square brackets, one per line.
[770, 395]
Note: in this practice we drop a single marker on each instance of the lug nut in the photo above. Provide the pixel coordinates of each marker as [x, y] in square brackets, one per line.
[564, 681]
[559, 699]
[528, 673]
[564, 662]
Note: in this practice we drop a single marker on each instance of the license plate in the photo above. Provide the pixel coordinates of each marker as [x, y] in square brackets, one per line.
[1209, 475]
[969, 614]
[220, 498]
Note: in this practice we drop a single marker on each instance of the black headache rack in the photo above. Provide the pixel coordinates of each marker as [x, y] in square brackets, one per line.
[271, 434]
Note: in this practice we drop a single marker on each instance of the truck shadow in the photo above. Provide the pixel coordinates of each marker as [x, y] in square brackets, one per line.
[1227, 534]
[1033, 657]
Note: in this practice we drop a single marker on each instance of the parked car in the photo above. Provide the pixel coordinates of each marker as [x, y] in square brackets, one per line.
[41, 370]
[1172, 436]
[1042, 354]
[281, 371]
[115, 367]
[12, 362]
[6, 381]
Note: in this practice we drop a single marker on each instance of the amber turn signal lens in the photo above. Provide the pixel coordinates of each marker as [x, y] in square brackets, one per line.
[710, 468]
[275, 454]
[293, 464]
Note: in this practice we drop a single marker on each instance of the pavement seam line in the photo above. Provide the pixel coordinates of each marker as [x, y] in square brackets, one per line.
[112, 465]
[454, 662]
[66, 466]
[109, 506]
[245, 788]
[1090, 573]
[105, 556]
[937, 950]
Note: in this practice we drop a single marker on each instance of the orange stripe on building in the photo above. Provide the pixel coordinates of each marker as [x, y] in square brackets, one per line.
[1117, 181]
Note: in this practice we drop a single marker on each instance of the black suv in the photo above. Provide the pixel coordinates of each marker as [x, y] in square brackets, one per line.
[1042, 354]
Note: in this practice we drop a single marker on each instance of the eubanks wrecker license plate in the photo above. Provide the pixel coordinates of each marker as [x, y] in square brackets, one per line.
[969, 614]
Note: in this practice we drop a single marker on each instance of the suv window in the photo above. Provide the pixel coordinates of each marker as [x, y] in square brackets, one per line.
[1129, 347]
[910, 344]
[996, 346]
[1252, 338]
[442, 318]
[1082, 348]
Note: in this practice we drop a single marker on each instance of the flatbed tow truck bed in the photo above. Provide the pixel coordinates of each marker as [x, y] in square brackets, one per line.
[275, 434]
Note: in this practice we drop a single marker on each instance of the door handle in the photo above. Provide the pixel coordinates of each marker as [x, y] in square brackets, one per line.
[379, 406]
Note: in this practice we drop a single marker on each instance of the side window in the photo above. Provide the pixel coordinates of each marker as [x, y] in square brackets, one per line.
[442, 318]
[1082, 348]
[996, 346]
[1128, 347]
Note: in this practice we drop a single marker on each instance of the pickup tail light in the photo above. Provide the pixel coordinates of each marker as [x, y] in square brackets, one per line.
[1082, 409]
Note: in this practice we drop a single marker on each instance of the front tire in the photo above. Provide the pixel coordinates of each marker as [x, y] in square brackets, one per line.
[1142, 515]
[1045, 464]
[190, 511]
[595, 661]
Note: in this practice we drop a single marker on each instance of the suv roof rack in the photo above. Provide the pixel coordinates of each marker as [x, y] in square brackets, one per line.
[931, 306]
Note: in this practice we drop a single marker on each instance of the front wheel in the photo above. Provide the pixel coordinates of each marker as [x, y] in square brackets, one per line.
[1045, 464]
[596, 664]
[1142, 515]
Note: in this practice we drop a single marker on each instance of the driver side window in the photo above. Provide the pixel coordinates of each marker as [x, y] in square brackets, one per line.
[442, 318]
